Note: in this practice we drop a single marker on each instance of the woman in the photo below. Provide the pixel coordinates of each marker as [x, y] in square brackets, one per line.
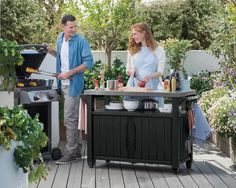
[146, 60]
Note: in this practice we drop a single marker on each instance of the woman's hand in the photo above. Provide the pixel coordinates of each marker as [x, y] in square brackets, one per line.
[147, 78]
[151, 76]
[131, 72]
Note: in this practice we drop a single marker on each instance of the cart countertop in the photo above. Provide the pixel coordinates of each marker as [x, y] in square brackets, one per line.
[151, 93]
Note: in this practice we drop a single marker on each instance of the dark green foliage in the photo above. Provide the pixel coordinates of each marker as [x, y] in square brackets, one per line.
[110, 73]
[202, 82]
[185, 29]
[92, 74]
[23, 21]
[9, 57]
[195, 20]
[17, 125]
[116, 69]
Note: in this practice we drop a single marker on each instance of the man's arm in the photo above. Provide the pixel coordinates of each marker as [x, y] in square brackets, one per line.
[72, 72]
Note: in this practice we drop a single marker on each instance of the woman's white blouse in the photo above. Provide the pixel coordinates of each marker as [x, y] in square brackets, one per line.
[159, 53]
[146, 62]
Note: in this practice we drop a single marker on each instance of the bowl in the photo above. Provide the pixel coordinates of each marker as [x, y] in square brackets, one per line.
[167, 108]
[131, 104]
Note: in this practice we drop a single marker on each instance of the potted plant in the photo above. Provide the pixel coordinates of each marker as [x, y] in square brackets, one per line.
[176, 54]
[9, 57]
[24, 135]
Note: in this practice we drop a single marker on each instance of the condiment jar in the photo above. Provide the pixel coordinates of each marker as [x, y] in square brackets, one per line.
[173, 84]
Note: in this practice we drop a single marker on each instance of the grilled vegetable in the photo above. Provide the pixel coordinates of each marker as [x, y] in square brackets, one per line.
[30, 70]
[33, 84]
[20, 84]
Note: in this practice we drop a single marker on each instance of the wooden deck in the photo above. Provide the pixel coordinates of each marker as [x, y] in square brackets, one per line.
[211, 168]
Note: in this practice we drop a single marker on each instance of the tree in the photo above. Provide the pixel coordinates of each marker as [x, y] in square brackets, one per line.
[195, 20]
[104, 22]
[23, 21]
[224, 47]
[53, 8]
[204, 18]
[164, 18]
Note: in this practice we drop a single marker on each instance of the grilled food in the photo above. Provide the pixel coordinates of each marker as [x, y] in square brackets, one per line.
[30, 70]
[32, 83]
[20, 84]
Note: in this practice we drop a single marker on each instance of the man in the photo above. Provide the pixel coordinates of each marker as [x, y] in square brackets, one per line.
[73, 58]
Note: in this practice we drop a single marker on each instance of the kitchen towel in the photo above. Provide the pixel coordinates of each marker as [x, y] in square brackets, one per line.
[202, 131]
[82, 116]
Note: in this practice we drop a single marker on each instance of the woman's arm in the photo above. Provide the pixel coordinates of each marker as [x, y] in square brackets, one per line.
[129, 66]
[161, 59]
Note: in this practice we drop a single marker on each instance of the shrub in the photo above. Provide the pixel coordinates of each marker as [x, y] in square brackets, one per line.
[222, 115]
[209, 97]
[202, 82]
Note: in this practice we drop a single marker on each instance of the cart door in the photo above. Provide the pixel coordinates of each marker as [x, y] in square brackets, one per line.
[110, 136]
[153, 139]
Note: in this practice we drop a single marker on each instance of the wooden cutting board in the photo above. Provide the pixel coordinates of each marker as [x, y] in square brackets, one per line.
[135, 89]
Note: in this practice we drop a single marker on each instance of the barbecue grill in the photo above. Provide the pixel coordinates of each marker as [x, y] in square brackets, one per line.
[37, 98]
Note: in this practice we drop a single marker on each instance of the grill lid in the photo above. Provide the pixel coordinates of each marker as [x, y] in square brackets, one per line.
[33, 55]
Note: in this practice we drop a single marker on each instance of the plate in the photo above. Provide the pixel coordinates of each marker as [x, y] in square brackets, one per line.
[116, 103]
[165, 110]
[111, 107]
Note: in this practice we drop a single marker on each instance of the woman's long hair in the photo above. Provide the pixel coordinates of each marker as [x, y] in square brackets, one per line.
[150, 41]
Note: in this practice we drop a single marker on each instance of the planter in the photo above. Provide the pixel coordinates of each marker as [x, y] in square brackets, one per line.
[185, 84]
[232, 143]
[228, 146]
[11, 176]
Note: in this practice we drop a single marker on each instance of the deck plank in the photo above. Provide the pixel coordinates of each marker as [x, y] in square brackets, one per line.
[157, 176]
[102, 177]
[198, 177]
[210, 175]
[74, 180]
[88, 175]
[185, 178]
[115, 175]
[130, 179]
[62, 175]
[170, 177]
[142, 175]
[227, 178]
[211, 168]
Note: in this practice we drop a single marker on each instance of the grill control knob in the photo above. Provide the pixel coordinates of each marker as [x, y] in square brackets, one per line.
[51, 95]
[36, 97]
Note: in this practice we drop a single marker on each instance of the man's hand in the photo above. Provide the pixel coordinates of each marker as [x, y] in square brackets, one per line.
[64, 75]
[50, 50]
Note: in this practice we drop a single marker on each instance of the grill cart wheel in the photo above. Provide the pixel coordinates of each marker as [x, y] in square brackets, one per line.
[56, 154]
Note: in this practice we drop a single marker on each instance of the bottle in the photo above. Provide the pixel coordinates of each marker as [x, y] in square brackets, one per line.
[178, 86]
[173, 83]
[172, 74]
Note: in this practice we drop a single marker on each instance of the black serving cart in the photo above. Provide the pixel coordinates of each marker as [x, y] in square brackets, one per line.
[139, 136]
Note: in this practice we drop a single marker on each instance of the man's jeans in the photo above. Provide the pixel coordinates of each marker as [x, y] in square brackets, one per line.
[71, 116]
